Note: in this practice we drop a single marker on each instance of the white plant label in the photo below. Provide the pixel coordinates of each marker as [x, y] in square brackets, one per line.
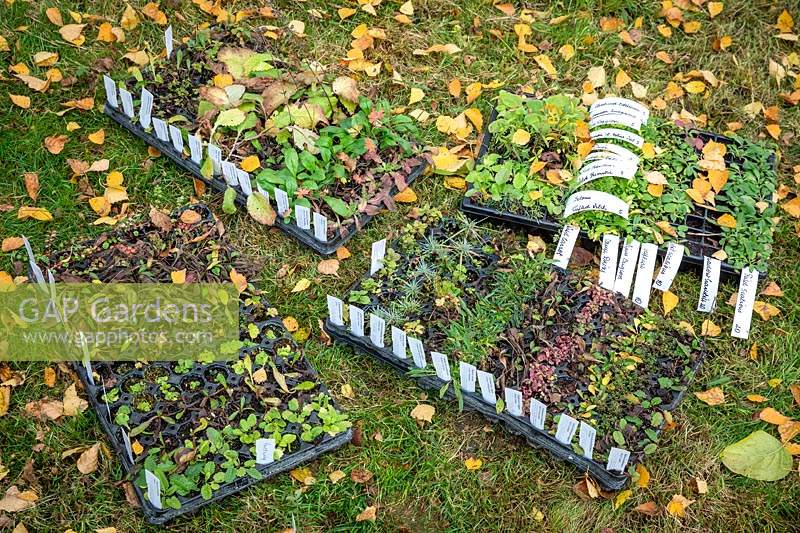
[303, 216]
[621, 151]
[37, 272]
[111, 91]
[617, 459]
[644, 274]
[229, 173]
[282, 199]
[245, 183]
[127, 102]
[513, 399]
[399, 343]
[586, 438]
[336, 310]
[417, 352]
[265, 451]
[709, 285]
[356, 321]
[569, 235]
[196, 148]
[538, 414]
[87, 365]
[669, 267]
[442, 366]
[608, 261]
[377, 255]
[177, 138]
[377, 330]
[486, 382]
[595, 201]
[146, 108]
[617, 134]
[320, 227]
[622, 105]
[566, 429]
[168, 41]
[161, 130]
[127, 441]
[626, 268]
[215, 154]
[153, 489]
[614, 118]
[748, 283]
[467, 374]
[604, 168]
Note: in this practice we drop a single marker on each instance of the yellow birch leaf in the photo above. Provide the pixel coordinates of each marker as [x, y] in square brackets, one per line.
[301, 285]
[669, 300]
[178, 276]
[250, 163]
[544, 62]
[567, 52]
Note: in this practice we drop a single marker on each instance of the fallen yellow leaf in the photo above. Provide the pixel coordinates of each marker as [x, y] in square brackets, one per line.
[406, 196]
[713, 396]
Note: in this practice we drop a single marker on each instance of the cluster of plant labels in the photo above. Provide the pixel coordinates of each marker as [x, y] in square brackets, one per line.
[268, 115]
[189, 432]
[583, 370]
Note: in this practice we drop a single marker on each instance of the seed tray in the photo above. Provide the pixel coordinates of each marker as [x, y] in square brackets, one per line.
[700, 220]
[517, 425]
[170, 434]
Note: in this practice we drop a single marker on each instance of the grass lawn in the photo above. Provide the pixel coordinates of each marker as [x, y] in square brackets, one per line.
[420, 481]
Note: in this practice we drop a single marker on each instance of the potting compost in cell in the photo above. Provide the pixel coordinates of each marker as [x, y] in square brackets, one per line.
[707, 193]
[477, 313]
[322, 157]
[190, 432]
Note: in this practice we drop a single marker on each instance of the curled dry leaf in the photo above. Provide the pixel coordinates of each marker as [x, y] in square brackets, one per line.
[713, 396]
[88, 460]
[367, 515]
[55, 144]
[301, 285]
[12, 243]
[342, 253]
[15, 501]
[239, 280]
[677, 506]
[473, 463]
[329, 267]
[20, 100]
[36, 213]
[73, 404]
[32, 184]
[648, 508]
[423, 412]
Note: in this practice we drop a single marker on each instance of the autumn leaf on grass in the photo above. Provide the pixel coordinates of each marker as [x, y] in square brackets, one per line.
[87, 462]
[765, 310]
[713, 396]
[772, 416]
[301, 285]
[178, 276]
[98, 137]
[677, 506]
[709, 329]
[49, 376]
[152, 11]
[303, 475]
[55, 144]
[647, 508]
[5, 400]
[423, 412]
[12, 243]
[31, 184]
[473, 463]
[73, 404]
[644, 476]
[129, 18]
[670, 300]
[238, 280]
[758, 456]
[36, 213]
[329, 267]
[20, 100]
[406, 196]
[15, 501]
[73, 33]
[343, 253]
[367, 515]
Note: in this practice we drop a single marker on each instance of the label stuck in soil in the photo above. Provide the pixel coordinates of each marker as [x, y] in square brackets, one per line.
[615, 149]
[467, 374]
[215, 154]
[615, 104]
[244, 182]
[605, 168]
[538, 414]
[398, 342]
[566, 429]
[229, 173]
[168, 41]
[335, 310]
[748, 283]
[126, 440]
[160, 127]
[320, 227]
[669, 267]
[626, 268]
[356, 321]
[196, 148]
[377, 329]
[586, 438]
[111, 91]
[442, 366]
[613, 118]
[265, 451]
[709, 285]
[417, 352]
[303, 216]
[87, 365]
[177, 138]
[595, 201]
[146, 108]
[513, 399]
[486, 382]
[608, 261]
[127, 102]
[617, 134]
[153, 489]
[644, 274]
[617, 459]
[569, 234]
[377, 255]
[282, 199]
